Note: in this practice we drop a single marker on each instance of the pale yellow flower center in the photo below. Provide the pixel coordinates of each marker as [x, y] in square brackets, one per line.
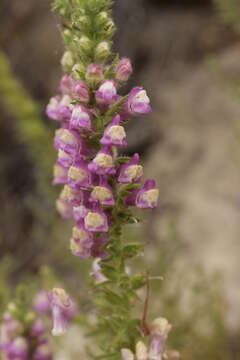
[64, 155]
[142, 97]
[134, 172]
[117, 132]
[104, 160]
[160, 326]
[75, 246]
[151, 196]
[101, 193]
[79, 234]
[62, 296]
[67, 137]
[94, 220]
[76, 173]
[58, 171]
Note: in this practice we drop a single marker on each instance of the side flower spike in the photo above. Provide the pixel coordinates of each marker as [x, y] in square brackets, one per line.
[103, 163]
[80, 119]
[130, 172]
[147, 197]
[60, 303]
[114, 134]
[138, 102]
[159, 329]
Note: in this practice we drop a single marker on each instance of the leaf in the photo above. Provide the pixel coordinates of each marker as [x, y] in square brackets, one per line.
[131, 250]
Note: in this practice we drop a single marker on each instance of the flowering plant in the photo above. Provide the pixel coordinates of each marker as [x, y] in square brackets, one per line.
[101, 187]
[23, 332]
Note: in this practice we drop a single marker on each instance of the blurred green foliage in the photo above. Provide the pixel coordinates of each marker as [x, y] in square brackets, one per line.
[229, 10]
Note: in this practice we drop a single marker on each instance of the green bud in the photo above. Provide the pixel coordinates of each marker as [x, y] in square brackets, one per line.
[30, 317]
[67, 36]
[67, 61]
[85, 44]
[78, 71]
[102, 51]
[102, 18]
[110, 28]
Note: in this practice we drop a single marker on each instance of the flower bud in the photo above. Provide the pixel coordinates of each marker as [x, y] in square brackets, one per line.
[94, 73]
[97, 272]
[127, 354]
[67, 61]
[102, 51]
[102, 18]
[160, 327]
[67, 36]
[109, 28]
[78, 71]
[81, 92]
[84, 22]
[141, 351]
[106, 94]
[85, 44]
[123, 70]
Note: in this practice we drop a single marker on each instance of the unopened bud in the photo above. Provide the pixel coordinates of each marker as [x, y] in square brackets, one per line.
[102, 51]
[85, 44]
[101, 18]
[67, 36]
[78, 71]
[160, 327]
[67, 61]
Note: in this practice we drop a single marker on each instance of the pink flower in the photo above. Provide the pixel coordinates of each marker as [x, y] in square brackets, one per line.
[97, 272]
[59, 174]
[102, 194]
[131, 172]
[42, 352]
[81, 92]
[107, 92]
[96, 221]
[41, 303]
[103, 163]
[52, 108]
[114, 134]
[94, 72]
[60, 303]
[68, 140]
[138, 102]
[147, 197]
[123, 70]
[80, 119]
[66, 85]
[79, 176]
[81, 242]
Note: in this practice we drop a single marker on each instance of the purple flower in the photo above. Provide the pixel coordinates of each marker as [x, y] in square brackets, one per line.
[42, 352]
[138, 102]
[97, 272]
[123, 70]
[64, 159]
[52, 108]
[65, 108]
[106, 94]
[103, 163]
[80, 119]
[79, 212]
[60, 303]
[102, 194]
[64, 208]
[147, 197]
[96, 221]
[81, 92]
[94, 72]
[67, 140]
[131, 172]
[59, 174]
[81, 242]
[72, 196]
[159, 330]
[66, 85]
[18, 349]
[79, 175]
[41, 303]
[114, 134]
[37, 328]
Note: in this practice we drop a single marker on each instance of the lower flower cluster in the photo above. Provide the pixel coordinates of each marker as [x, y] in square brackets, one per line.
[92, 175]
[19, 341]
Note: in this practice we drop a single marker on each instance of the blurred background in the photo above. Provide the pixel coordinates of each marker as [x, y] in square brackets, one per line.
[186, 54]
